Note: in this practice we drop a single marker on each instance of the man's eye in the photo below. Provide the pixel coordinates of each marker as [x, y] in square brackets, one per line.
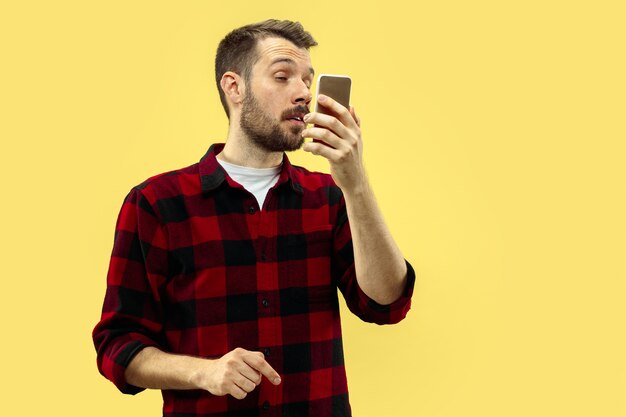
[282, 78]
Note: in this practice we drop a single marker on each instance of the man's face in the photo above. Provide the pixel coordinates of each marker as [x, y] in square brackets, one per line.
[277, 96]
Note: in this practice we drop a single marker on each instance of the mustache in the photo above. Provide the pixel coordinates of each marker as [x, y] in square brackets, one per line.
[295, 110]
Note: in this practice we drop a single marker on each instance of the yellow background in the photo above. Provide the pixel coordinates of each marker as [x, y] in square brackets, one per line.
[494, 138]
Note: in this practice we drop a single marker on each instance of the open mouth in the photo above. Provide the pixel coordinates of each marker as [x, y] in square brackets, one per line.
[295, 115]
[296, 119]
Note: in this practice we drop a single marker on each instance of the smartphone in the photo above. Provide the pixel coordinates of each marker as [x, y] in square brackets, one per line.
[334, 86]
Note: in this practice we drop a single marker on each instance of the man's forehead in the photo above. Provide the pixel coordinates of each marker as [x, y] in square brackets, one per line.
[274, 50]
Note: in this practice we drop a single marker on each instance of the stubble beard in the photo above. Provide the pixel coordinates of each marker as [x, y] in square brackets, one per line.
[266, 132]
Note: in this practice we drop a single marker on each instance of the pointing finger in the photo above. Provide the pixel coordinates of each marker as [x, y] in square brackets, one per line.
[261, 365]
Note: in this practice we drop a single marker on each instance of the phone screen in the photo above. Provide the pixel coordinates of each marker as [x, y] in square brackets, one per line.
[336, 87]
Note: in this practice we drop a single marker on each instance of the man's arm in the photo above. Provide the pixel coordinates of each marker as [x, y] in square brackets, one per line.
[237, 373]
[380, 267]
[129, 333]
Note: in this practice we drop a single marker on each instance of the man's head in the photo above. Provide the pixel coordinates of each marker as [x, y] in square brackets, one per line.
[264, 74]
[237, 52]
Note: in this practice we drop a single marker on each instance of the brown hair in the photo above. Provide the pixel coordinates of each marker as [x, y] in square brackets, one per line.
[237, 51]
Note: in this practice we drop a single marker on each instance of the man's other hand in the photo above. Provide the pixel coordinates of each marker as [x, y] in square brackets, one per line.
[236, 373]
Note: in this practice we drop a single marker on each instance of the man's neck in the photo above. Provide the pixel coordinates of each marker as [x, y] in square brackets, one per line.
[239, 150]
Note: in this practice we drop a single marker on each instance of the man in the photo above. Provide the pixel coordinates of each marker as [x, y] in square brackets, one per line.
[222, 286]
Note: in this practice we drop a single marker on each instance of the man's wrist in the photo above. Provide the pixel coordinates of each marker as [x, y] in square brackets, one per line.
[199, 372]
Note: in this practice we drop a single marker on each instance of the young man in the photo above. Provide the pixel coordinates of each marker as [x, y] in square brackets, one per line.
[222, 286]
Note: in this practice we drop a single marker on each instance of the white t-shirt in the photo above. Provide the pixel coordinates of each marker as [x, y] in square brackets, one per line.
[257, 181]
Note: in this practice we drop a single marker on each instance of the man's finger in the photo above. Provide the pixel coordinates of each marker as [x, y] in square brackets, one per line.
[322, 150]
[237, 392]
[262, 366]
[244, 383]
[343, 114]
[250, 373]
[324, 135]
[329, 122]
[354, 115]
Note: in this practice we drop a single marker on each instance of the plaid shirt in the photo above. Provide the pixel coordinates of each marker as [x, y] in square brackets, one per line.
[198, 269]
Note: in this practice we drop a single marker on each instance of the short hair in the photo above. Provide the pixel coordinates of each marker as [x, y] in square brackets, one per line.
[237, 51]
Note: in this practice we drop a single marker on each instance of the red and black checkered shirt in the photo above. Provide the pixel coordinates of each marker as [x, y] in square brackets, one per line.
[198, 269]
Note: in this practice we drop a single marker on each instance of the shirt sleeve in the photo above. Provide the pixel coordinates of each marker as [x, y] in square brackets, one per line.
[132, 313]
[357, 301]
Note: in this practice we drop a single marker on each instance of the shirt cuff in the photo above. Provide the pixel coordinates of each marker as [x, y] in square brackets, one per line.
[120, 361]
[389, 313]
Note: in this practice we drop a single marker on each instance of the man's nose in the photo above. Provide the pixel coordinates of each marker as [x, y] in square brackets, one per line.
[303, 95]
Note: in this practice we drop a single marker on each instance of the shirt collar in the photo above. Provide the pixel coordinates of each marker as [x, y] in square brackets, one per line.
[212, 175]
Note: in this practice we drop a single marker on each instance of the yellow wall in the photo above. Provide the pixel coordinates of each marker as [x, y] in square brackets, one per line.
[494, 137]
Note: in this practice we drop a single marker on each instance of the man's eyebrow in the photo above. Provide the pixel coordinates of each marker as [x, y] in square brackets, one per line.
[290, 62]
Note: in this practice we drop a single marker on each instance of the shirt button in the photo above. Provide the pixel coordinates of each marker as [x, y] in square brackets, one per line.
[266, 405]
[267, 351]
[251, 210]
[263, 257]
[265, 303]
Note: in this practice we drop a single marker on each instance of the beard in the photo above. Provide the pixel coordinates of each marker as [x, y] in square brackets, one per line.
[266, 132]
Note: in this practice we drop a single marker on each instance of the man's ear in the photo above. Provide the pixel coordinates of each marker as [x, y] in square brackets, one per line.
[233, 87]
